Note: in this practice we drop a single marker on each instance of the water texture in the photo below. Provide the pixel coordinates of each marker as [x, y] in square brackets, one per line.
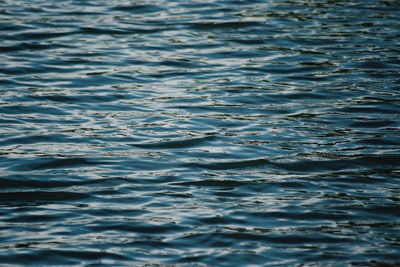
[205, 133]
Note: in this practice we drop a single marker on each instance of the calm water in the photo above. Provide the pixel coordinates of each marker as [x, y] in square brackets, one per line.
[211, 133]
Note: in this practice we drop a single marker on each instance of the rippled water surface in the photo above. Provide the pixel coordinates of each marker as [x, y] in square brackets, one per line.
[215, 133]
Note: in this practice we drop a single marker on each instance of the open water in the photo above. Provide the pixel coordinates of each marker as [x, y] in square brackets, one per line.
[205, 133]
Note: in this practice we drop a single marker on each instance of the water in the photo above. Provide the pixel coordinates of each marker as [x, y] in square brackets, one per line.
[211, 133]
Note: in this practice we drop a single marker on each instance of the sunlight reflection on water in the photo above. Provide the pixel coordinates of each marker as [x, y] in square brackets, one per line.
[204, 133]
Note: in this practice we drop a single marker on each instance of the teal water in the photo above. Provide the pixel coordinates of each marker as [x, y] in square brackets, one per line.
[204, 133]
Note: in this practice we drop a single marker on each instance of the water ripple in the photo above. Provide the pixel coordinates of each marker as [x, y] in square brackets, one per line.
[199, 133]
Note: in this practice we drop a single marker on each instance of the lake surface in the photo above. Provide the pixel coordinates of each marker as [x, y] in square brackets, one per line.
[199, 133]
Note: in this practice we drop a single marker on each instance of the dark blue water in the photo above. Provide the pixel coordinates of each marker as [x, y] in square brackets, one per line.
[206, 133]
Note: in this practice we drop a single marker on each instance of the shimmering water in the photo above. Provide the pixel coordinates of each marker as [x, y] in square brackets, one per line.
[215, 133]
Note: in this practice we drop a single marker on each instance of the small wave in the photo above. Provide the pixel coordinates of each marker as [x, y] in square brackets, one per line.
[212, 183]
[55, 163]
[139, 9]
[230, 165]
[174, 144]
[223, 25]
[37, 196]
